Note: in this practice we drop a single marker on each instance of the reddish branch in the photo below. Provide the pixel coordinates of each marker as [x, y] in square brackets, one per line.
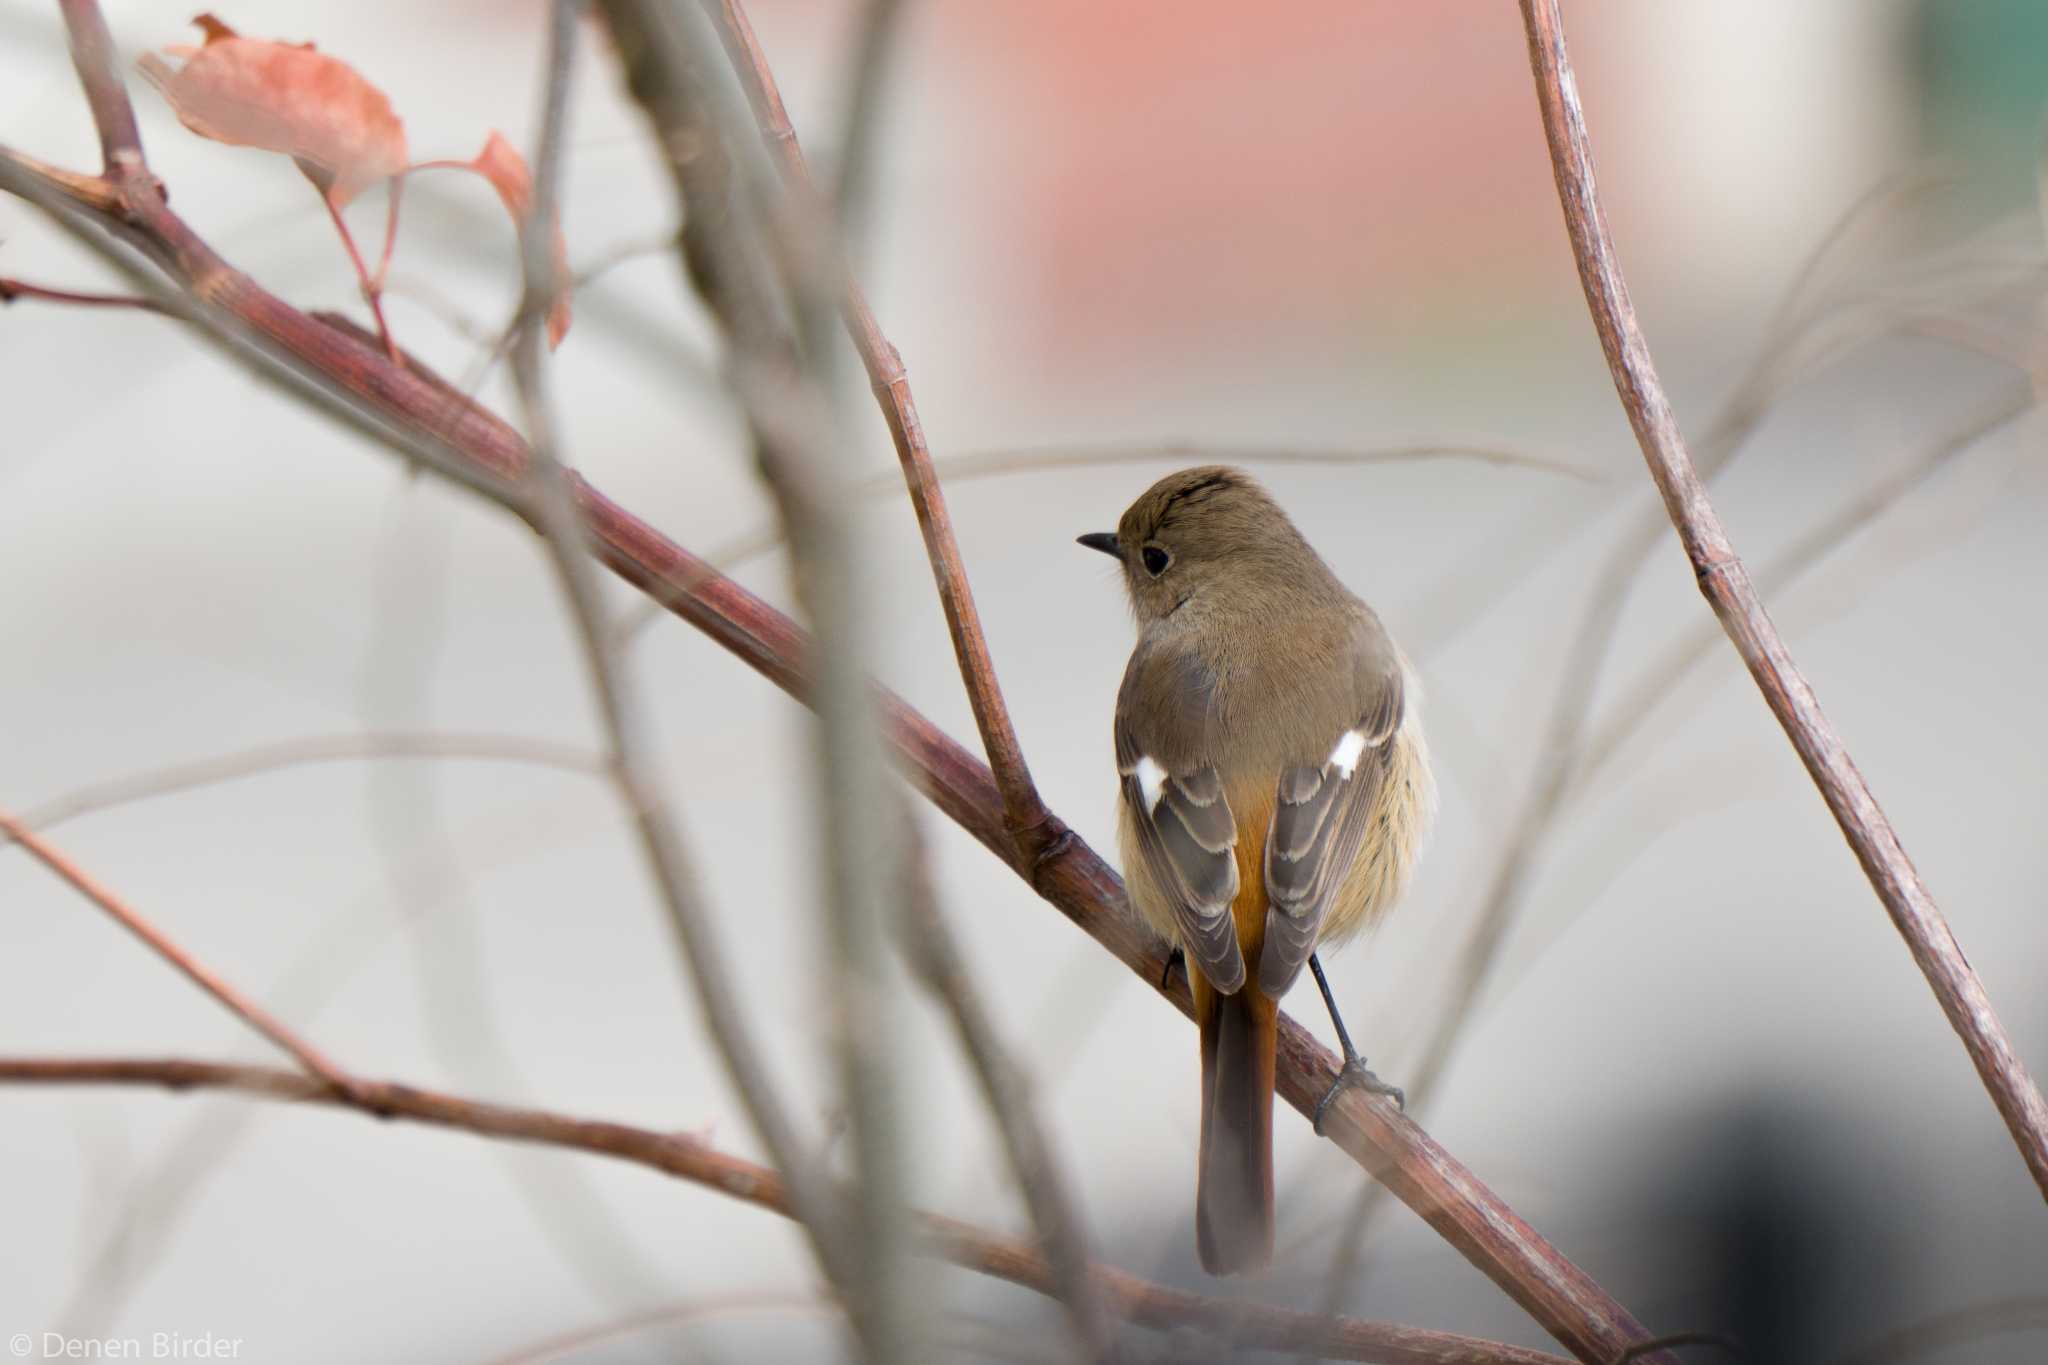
[248, 1011]
[1029, 821]
[10, 290]
[92, 52]
[1007, 1258]
[1726, 586]
[422, 417]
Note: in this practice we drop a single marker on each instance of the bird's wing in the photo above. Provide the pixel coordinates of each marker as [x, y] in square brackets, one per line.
[1320, 819]
[1185, 832]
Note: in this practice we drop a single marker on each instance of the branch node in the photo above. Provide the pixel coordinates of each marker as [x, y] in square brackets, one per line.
[1044, 842]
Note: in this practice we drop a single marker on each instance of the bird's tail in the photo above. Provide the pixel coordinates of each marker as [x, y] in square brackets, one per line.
[1234, 1199]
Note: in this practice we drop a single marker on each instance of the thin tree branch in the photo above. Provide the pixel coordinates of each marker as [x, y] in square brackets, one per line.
[1727, 588]
[572, 1343]
[12, 289]
[990, 464]
[638, 785]
[1804, 334]
[933, 954]
[99, 71]
[1132, 1299]
[1029, 821]
[671, 64]
[293, 753]
[875, 43]
[191, 968]
[1626, 716]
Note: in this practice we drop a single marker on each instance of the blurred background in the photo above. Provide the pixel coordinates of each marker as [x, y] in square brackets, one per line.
[1699, 1058]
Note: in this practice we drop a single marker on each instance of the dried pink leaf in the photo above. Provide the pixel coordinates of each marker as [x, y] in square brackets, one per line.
[288, 98]
[501, 164]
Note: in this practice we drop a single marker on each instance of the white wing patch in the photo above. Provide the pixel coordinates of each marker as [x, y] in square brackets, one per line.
[1151, 782]
[1346, 754]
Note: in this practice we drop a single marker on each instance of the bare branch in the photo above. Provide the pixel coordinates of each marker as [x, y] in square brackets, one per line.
[567, 1344]
[1129, 1297]
[12, 289]
[1727, 588]
[293, 753]
[637, 784]
[876, 39]
[1029, 821]
[990, 464]
[671, 63]
[934, 955]
[191, 968]
[92, 52]
[1625, 717]
[1806, 332]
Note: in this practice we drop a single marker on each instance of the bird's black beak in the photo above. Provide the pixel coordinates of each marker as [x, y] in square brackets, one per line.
[1104, 541]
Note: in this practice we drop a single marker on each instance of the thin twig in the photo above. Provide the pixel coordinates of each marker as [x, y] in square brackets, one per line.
[876, 39]
[933, 954]
[1727, 588]
[1805, 333]
[294, 753]
[671, 62]
[990, 464]
[638, 787]
[426, 874]
[1029, 821]
[1132, 1299]
[92, 52]
[191, 968]
[11, 289]
[1627, 714]
[785, 1304]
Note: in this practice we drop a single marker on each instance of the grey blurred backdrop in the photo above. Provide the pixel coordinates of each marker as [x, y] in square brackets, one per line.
[1703, 1063]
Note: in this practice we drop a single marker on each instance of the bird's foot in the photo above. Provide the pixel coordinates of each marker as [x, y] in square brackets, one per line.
[1356, 1073]
[1173, 959]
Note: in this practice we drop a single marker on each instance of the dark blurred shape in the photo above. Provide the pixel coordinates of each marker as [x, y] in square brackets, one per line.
[1769, 1237]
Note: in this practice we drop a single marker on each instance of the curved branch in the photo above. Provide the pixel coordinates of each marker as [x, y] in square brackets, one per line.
[1725, 584]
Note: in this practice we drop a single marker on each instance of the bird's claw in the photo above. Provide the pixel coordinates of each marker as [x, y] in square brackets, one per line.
[1356, 1073]
[1173, 959]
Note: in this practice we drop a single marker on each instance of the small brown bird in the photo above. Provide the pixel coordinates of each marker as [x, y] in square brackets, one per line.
[1276, 793]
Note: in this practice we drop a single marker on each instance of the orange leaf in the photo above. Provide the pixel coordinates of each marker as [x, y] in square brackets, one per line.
[284, 98]
[501, 164]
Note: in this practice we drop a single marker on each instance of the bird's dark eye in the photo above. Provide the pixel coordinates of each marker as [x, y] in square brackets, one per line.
[1155, 559]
